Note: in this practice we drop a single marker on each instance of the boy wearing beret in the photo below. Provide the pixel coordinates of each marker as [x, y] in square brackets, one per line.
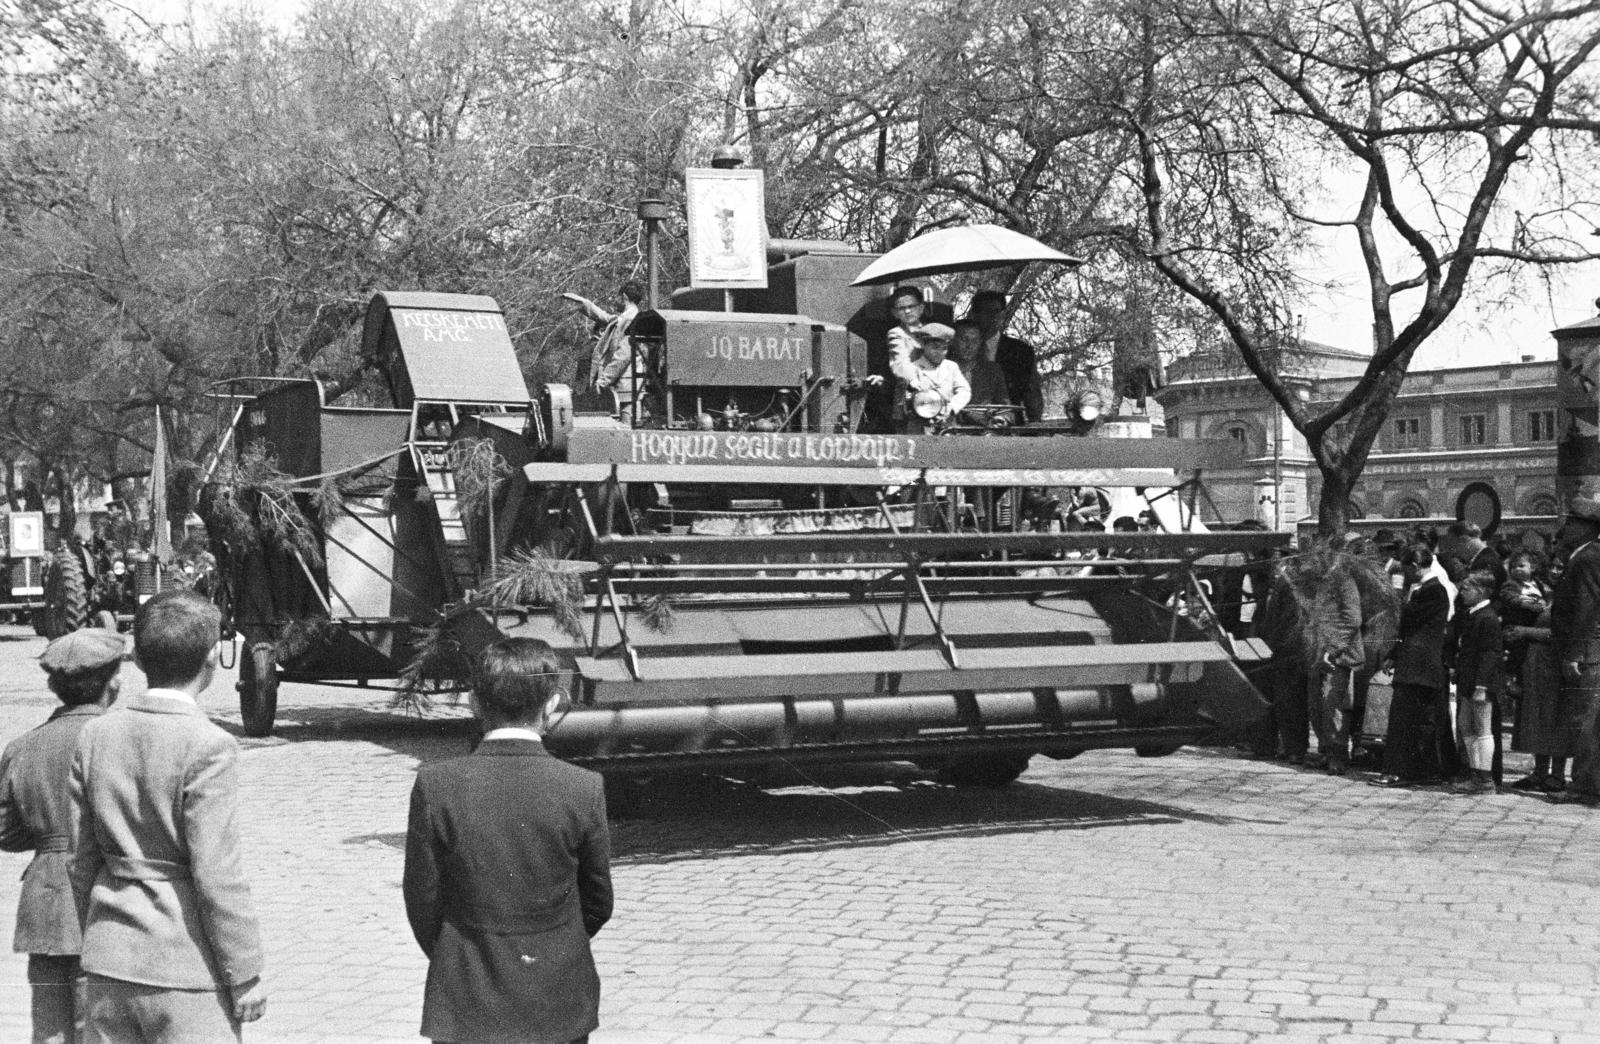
[35, 813]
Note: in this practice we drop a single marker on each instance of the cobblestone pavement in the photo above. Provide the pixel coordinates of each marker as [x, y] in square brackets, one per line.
[1199, 897]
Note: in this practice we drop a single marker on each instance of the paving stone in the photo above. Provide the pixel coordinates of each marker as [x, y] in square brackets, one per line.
[1109, 898]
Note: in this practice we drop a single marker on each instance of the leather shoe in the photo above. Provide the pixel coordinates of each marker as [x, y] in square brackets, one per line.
[1575, 797]
[1529, 782]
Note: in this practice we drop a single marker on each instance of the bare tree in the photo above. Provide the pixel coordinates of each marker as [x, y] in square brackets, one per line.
[1443, 110]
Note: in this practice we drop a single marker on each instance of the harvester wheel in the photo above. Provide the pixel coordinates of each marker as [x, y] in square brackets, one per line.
[258, 688]
[624, 795]
[66, 595]
[983, 770]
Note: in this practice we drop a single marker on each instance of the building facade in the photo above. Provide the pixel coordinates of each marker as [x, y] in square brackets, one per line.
[1477, 442]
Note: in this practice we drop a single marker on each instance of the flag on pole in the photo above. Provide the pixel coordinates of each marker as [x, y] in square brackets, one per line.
[161, 539]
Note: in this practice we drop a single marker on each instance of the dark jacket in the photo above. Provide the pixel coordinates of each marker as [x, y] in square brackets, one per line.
[1380, 618]
[1419, 658]
[35, 816]
[1334, 621]
[1575, 608]
[507, 875]
[1487, 560]
[1479, 653]
[1279, 621]
[1017, 361]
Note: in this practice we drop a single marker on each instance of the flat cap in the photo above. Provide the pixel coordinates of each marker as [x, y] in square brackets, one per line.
[85, 649]
[936, 332]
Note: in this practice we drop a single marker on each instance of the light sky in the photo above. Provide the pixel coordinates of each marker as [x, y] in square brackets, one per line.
[1503, 321]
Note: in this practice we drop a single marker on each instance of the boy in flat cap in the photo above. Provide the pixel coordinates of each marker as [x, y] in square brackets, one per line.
[35, 813]
[171, 946]
[936, 385]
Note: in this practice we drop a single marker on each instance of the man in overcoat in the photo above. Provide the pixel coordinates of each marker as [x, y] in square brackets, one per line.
[35, 816]
[508, 868]
[1575, 640]
[1333, 626]
[613, 365]
[1416, 746]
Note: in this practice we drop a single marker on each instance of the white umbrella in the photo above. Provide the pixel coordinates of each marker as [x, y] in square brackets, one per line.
[964, 249]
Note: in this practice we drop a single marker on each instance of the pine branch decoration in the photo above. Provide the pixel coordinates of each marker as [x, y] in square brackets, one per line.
[530, 578]
[250, 502]
[479, 470]
[657, 612]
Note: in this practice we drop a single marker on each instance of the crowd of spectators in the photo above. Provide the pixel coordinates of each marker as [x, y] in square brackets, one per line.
[1465, 639]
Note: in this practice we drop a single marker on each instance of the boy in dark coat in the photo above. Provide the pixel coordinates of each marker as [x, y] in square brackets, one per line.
[508, 868]
[35, 816]
[1480, 685]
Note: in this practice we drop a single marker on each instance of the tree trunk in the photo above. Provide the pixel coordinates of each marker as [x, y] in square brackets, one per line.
[1333, 510]
[67, 522]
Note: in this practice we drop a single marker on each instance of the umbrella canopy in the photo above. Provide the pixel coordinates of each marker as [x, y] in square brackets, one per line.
[964, 249]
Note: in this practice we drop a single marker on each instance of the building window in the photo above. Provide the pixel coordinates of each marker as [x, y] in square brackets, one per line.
[1542, 504]
[1407, 432]
[1473, 429]
[1542, 426]
[1241, 431]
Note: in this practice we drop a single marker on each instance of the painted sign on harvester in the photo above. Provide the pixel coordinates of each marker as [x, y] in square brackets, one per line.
[780, 449]
[722, 349]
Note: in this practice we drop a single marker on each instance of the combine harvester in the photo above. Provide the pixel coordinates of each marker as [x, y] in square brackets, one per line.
[752, 580]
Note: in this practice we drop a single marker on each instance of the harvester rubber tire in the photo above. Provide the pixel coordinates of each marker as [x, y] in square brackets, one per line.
[66, 595]
[37, 617]
[983, 770]
[106, 619]
[624, 795]
[258, 688]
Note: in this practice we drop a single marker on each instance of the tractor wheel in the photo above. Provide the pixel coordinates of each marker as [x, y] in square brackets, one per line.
[106, 619]
[258, 688]
[983, 770]
[66, 595]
